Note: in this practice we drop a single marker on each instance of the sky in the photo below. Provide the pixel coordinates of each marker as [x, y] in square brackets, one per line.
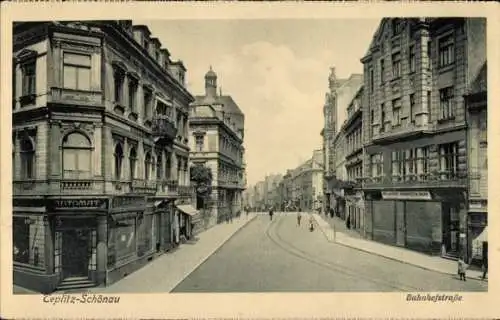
[275, 70]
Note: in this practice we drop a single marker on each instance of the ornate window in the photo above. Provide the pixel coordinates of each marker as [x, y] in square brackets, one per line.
[396, 65]
[29, 77]
[77, 151]
[159, 171]
[147, 165]
[27, 159]
[118, 161]
[133, 162]
[200, 139]
[446, 51]
[446, 103]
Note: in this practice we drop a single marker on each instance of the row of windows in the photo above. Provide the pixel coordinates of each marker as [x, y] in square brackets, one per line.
[414, 163]
[446, 57]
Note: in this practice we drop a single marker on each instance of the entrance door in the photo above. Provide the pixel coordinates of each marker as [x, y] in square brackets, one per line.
[450, 229]
[75, 253]
[400, 224]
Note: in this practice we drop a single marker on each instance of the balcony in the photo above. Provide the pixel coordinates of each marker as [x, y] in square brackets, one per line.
[409, 130]
[77, 97]
[139, 185]
[163, 128]
[440, 179]
[76, 184]
[168, 188]
[57, 186]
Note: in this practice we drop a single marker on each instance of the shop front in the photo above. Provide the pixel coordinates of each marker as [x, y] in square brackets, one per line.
[189, 217]
[477, 232]
[426, 221]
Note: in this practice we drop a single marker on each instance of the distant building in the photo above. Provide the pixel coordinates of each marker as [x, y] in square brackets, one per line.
[415, 132]
[307, 183]
[217, 126]
[340, 94]
[99, 132]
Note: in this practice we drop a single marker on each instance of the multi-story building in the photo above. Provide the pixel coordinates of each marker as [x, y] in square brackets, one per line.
[353, 154]
[217, 129]
[99, 152]
[477, 142]
[340, 94]
[307, 183]
[414, 129]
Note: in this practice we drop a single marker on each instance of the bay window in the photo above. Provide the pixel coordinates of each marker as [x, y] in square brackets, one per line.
[77, 151]
[76, 69]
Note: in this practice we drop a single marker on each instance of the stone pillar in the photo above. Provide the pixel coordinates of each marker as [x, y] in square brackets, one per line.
[125, 161]
[97, 150]
[102, 248]
[49, 245]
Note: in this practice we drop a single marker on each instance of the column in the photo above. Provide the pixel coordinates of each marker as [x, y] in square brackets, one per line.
[102, 248]
[125, 161]
[49, 245]
[97, 150]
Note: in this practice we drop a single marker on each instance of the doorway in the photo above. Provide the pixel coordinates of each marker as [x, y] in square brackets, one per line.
[451, 231]
[75, 253]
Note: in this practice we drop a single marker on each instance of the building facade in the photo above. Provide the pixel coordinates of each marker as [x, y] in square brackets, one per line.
[306, 183]
[99, 152]
[477, 142]
[340, 94]
[217, 130]
[352, 131]
[416, 73]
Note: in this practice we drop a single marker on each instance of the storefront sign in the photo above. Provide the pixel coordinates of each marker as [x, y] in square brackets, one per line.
[406, 195]
[128, 201]
[80, 203]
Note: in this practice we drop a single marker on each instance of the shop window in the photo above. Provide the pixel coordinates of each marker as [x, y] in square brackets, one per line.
[77, 152]
[76, 71]
[446, 103]
[125, 238]
[27, 233]
[147, 165]
[118, 161]
[27, 159]
[21, 239]
[446, 51]
[133, 163]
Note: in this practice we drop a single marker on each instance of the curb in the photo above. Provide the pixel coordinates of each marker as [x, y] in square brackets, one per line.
[390, 258]
[212, 253]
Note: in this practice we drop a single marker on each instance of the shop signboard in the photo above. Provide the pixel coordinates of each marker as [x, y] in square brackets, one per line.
[406, 195]
[64, 204]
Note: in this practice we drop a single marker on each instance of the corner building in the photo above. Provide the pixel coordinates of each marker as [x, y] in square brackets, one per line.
[217, 128]
[100, 153]
[414, 121]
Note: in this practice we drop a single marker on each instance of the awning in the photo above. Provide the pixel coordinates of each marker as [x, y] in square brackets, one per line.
[187, 209]
[157, 203]
[483, 236]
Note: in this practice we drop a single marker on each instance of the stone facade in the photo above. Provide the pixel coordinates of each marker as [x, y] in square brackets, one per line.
[416, 73]
[100, 151]
[217, 133]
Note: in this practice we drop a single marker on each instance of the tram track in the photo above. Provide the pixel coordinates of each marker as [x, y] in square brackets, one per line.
[272, 232]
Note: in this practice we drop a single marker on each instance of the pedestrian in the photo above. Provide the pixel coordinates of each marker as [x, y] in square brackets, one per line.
[271, 213]
[485, 260]
[299, 217]
[311, 223]
[462, 267]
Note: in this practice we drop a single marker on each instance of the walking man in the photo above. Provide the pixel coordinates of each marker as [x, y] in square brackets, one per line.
[299, 217]
[462, 267]
[271, 213]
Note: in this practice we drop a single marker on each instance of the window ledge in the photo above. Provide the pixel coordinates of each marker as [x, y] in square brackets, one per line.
[27, 99]
[446, 120]
[446, 68]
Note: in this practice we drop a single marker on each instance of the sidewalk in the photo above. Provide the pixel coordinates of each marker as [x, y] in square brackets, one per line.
[165, 272]
[335, 231]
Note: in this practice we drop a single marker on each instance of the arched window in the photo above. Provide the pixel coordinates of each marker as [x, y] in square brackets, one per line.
[118, 161]
[159, 173]
[76, 156]
[147, 166]
[27, 159]
[132, 162]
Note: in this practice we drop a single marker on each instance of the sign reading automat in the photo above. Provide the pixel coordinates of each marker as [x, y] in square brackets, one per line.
[79, 203]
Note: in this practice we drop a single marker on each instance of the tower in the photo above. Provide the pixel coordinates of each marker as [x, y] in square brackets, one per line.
[211, 83]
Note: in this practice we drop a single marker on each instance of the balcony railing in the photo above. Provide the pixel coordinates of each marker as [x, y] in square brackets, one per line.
[140, 185]
[163, 127]
[167, 188]
[185, 191]
[439, 179]
[76, 184]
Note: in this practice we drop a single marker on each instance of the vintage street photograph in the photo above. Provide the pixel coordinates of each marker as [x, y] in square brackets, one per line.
[250, 155]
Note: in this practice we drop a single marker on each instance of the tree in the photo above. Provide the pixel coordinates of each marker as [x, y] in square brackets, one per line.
[202, 178]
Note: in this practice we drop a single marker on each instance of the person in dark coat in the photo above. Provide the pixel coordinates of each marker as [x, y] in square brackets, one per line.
[271, 213]
[485, 260]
